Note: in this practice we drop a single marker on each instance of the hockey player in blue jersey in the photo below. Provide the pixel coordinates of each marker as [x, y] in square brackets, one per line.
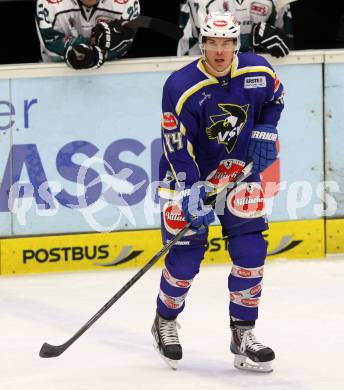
[219, 112]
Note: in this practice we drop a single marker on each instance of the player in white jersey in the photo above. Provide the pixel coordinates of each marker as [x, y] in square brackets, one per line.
[85, 33]
[265, 25]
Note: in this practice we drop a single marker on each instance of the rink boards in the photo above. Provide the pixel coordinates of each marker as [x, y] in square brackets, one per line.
[99, 251]
[49, 206]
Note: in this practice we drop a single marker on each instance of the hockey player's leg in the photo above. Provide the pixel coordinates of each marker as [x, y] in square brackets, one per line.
[181, 265]
[248, 252]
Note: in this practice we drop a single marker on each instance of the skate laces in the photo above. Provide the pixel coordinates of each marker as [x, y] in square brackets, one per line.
[249, 341]
[168, 331]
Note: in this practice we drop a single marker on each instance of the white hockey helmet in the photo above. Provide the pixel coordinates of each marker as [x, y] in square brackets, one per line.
[220, 25]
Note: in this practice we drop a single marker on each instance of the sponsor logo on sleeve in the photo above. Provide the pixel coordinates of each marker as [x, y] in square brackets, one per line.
[169, 121]
[102, 18]
[276, 84]
[259, 9]
[255, 82]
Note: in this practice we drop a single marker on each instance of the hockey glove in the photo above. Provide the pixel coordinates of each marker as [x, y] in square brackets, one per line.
[270, 38]
[195, 211]
[262, 148]
[84, 57]
[112, 35]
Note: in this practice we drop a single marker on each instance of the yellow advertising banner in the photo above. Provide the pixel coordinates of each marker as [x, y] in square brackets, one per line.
[96, 251]
[335, 236]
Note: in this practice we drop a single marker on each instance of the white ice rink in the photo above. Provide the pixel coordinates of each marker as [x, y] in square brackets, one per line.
[302, 318]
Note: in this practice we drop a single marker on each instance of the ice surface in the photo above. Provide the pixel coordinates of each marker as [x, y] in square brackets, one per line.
[301, 318]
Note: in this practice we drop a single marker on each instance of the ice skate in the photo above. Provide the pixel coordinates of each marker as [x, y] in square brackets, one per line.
[250, 354]
[166, 340]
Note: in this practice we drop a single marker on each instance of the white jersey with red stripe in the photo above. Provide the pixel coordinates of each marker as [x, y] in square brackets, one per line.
[61, 23]
[248, 13]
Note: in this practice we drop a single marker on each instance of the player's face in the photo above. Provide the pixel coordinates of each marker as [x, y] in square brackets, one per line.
[89, 3]
[219, 52]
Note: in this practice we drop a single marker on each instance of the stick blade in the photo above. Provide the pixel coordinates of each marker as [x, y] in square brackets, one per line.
[48, 350]
[162, 26]
[166, 28]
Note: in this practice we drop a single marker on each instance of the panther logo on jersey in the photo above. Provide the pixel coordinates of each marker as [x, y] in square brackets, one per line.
[227, 127]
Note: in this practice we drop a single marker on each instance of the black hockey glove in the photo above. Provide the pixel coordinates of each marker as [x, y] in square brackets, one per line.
[270, 39]
[112, 35]
[84, 57]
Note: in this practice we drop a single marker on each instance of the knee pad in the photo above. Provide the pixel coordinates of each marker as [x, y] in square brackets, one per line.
[248, 250]
[183, 262]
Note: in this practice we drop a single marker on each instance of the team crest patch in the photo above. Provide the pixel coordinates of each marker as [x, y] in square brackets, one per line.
[255, 82]
[169, 121]
[227, 127]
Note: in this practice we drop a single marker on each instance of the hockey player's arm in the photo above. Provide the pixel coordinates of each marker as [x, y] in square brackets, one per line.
[262, 148]
[54, 41]
[125, 42]
[178, 135]
[274, 104]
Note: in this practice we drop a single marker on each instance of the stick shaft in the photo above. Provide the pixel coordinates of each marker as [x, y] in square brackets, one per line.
[49, 350]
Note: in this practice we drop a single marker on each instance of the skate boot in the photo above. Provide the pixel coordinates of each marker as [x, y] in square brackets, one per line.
[166, 340]
[249, 353]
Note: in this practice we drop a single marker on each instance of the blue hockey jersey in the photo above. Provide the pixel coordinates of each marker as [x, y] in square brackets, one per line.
[208, 120]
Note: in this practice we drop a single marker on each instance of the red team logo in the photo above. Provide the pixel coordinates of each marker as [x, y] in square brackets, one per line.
[247, 201]
[251, 302]
[173, 218]
[170, 303]
[121, 1]
[166, 274]
[183, 283]
[54, 1]
[169, 121]
[226, 172]
[255, 290]
[220, 23]
[244, 273]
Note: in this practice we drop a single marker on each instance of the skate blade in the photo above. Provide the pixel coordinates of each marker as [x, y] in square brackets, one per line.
[171, 363]
[244, 363]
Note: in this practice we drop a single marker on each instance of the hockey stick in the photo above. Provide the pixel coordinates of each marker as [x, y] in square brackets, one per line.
[48, 350]
[162, 26]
